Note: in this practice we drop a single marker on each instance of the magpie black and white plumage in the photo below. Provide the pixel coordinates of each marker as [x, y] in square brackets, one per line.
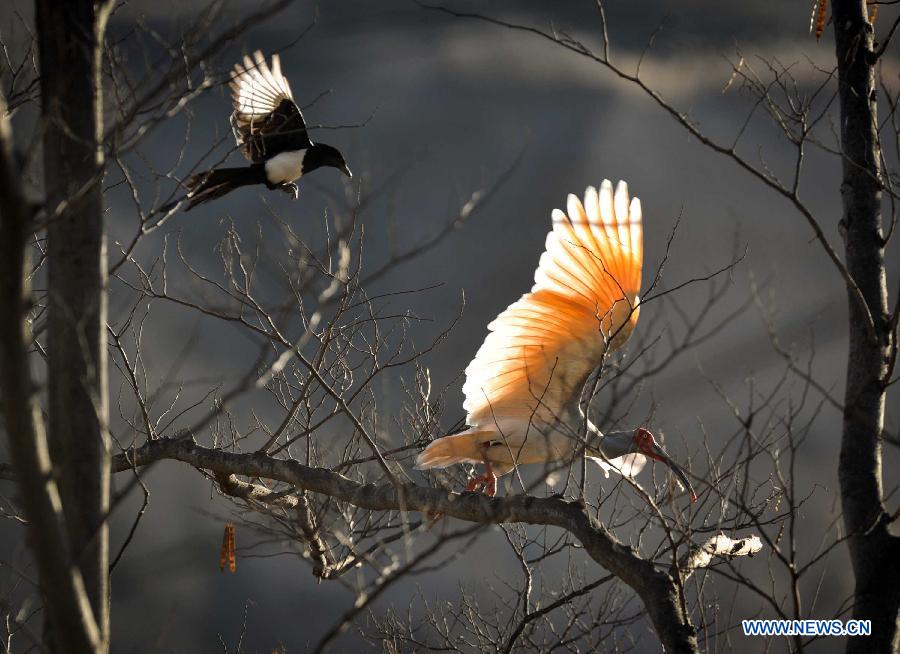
[270, 132]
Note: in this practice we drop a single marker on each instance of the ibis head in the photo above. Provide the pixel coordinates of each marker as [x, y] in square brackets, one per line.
[644, 443]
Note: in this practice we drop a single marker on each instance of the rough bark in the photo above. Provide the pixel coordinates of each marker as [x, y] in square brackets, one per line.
[61, 582]
[70, 38]
[873, 550]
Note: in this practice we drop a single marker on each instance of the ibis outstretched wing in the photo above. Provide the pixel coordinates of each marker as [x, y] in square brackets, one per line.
[584, 302]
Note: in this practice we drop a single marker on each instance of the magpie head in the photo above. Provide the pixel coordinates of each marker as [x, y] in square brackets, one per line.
[320, 155]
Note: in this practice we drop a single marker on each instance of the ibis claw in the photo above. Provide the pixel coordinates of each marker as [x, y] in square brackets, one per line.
[487, 481]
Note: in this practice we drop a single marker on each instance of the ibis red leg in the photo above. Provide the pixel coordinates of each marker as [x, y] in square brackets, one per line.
[488, 480]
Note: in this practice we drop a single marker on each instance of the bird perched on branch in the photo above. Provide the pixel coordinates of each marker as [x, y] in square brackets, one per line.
[270, 132]
[523, 389]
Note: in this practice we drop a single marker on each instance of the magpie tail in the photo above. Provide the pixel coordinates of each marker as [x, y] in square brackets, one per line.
[215, 183]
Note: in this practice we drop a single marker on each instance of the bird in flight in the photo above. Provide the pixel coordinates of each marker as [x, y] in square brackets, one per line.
[270, 132]
[523, 389]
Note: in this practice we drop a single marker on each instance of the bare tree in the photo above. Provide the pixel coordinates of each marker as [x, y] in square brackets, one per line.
[872, 327]
[61, 581]
[70, 51]
[872, 324]
[315, 458]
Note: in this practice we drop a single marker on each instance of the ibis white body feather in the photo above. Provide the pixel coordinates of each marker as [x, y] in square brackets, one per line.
[513, 441]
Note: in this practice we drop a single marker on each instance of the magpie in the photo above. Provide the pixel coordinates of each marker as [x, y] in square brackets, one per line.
[270, 132]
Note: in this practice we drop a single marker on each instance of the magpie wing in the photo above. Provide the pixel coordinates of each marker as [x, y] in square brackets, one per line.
[584, 303]
[266, 120]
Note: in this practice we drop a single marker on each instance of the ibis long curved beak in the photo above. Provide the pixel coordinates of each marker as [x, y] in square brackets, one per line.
[661, 455]
[346, 171]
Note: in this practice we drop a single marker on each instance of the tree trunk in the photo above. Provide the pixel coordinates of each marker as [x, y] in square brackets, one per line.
[62, 586]
[70, 36]
[873, 551]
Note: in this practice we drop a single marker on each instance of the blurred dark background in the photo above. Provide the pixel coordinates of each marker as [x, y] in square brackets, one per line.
[452, 103]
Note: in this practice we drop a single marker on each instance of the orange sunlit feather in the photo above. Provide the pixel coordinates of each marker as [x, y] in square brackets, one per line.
[583, 303]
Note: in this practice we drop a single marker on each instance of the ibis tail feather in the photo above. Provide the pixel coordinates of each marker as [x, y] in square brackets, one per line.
[458, 448]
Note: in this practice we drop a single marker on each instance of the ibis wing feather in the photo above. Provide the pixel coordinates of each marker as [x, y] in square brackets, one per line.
[539, 351]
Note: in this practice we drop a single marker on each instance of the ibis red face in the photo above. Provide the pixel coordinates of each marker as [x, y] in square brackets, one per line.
[648, 446]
